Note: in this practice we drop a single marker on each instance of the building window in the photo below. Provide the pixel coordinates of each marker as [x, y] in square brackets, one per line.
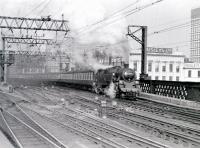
[170, 78]
[177, 78]
[189, 73]
[198, 74]
[156, 77]
[177, 69]
[157, 67]
[149, 77]
[170, 67]
[135, 66]
[163, 78]
[149, 67]
[164, 68]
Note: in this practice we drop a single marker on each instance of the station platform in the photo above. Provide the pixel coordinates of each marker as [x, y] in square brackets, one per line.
[171, 101]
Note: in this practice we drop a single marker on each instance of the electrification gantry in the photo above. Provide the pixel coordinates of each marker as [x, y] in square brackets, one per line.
[22, 23]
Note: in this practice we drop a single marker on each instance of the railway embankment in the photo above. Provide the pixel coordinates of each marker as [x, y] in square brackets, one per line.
[171, 101]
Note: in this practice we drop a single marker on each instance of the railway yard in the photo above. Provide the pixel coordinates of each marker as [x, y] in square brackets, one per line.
[55, 116]
[100, 74]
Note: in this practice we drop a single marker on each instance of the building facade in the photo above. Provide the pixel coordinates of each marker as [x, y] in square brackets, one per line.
[191, 72]
[195, 35]
[162, 64]
[42, 63]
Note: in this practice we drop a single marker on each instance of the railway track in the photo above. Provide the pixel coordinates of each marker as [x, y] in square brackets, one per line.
[103, 131]
[184, 114]
[11, 109]
[172, 132]
[89, 131]
[24, 135]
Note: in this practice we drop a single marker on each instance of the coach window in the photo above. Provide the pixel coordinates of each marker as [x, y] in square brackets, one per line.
[177, 78]
[170, 78]
[86, 75]
[90, 76]
[189, 73]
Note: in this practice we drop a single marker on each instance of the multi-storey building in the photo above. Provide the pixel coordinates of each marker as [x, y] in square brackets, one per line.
[191, 72]
[195, 35]
[162, 64]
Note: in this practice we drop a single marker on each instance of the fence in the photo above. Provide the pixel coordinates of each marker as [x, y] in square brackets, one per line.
[181, 90]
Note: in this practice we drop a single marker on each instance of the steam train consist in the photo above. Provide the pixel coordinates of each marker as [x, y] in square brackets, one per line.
[120, 81]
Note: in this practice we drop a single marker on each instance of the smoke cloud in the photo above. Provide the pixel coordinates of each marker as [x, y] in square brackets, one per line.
[111, 91]
[88, 29]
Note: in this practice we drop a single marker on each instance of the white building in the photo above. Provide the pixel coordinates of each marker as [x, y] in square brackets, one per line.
[191, 72]
[162, 64]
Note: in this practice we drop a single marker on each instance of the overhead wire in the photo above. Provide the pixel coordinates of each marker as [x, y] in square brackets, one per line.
[45, 6]
[114, 14]
[36, 7]
[130, 12]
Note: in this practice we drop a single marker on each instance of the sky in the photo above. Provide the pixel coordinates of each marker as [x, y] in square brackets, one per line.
[96, 21]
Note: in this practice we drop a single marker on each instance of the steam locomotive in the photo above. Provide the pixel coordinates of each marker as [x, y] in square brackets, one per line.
[123, 81]
[120, 81]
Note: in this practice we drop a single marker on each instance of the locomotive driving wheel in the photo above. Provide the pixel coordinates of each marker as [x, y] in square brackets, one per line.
[95, 88]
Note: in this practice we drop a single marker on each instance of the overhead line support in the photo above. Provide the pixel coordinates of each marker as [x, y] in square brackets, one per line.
[143, 41]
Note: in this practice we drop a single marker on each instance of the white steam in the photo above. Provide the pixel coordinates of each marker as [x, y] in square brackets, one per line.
[84, 57]
[111, 91]
[87, 25]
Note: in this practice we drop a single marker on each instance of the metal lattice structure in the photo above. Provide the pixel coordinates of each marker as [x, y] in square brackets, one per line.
[23, 40]
[22, 23]
[47, 24]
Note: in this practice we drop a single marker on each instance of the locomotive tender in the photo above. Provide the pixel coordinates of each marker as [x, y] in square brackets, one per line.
[123, 80]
